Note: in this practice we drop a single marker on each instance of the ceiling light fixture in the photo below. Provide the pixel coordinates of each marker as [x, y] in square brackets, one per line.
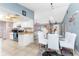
[52, 6]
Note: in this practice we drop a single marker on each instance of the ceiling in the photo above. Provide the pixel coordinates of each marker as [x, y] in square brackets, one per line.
[43, 6]
[44, 11]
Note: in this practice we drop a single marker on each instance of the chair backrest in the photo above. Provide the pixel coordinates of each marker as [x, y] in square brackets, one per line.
[53, 41]
[70, 37]
[67, 36]
[41, 38]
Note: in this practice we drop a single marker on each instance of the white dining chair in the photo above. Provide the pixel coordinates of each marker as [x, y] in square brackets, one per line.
[69, 41]
[53, 42]
[41, 38]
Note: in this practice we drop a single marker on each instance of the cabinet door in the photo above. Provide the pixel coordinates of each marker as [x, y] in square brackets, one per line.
[20, 40]
[27, 39]
[11, 35]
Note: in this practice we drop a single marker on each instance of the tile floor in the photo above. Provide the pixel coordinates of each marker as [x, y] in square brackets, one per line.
[10, 48]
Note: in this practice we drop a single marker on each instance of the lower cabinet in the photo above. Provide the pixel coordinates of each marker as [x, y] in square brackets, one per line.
[11, 35]
[24, 40]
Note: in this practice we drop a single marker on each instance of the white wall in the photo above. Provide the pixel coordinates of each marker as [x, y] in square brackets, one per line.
[44, 16]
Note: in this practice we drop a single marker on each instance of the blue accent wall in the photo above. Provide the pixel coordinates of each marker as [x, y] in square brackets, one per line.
[18, 9]
[74, 26]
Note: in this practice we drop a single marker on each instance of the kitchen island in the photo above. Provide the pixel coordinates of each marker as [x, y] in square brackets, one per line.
[25, 38]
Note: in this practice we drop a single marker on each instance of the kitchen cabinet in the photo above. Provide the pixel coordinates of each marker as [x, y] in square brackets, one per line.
[24, 39]
[11, 35]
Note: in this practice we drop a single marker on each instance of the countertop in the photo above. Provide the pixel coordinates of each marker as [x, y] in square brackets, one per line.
[23, 33]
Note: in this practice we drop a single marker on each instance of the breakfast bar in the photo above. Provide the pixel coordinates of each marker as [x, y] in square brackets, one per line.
[25, 38]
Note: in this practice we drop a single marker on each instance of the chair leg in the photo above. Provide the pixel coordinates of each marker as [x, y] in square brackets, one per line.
[39, 46]
[61, 51]
[46, 47]
[72, 52]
